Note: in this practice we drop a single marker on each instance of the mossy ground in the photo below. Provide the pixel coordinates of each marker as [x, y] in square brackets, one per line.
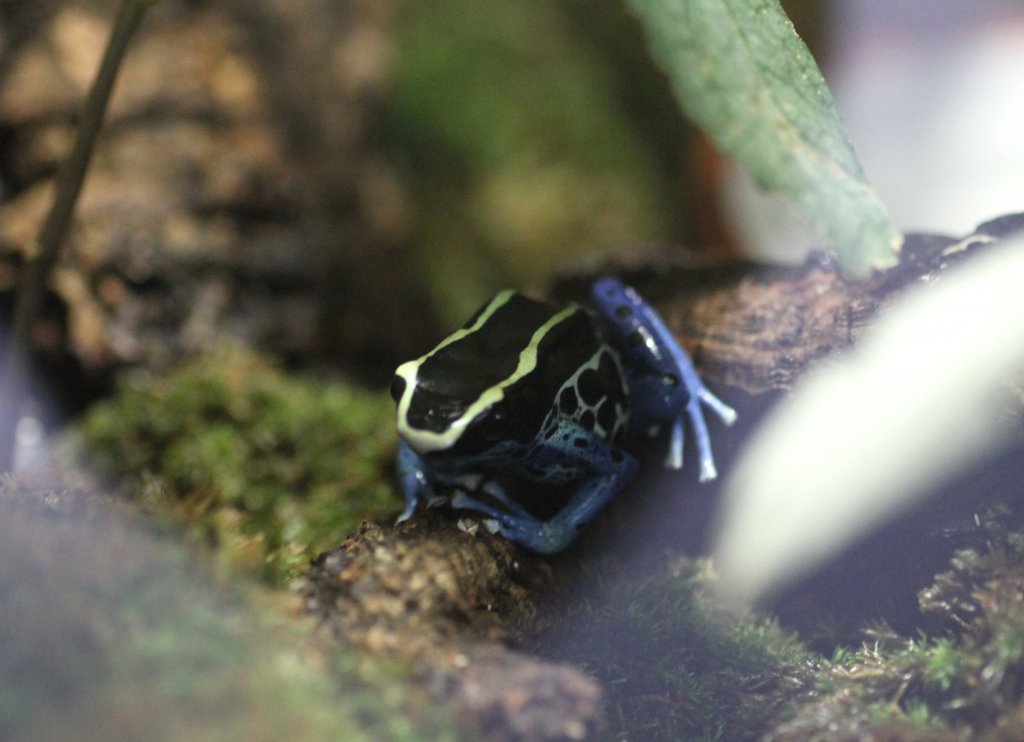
[962, 679]
[109, 630]
[675, 662]
[269, 469]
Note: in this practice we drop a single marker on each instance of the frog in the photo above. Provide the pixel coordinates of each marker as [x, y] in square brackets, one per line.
[556, 398]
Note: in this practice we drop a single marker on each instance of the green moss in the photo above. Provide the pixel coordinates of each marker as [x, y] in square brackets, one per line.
[679, 665]
[676, 664]
[962, 681]
[270, 469]
[943, 664]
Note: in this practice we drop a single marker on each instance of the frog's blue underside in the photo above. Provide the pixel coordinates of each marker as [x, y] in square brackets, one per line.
[545, 395]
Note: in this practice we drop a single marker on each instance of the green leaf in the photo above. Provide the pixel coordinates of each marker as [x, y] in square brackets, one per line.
[745, 77]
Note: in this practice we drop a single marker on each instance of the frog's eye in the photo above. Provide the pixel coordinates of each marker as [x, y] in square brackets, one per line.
[397, 387]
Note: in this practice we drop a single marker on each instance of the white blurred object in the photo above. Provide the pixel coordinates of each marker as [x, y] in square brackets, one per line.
[930, 93]
[29, 443]
[862, 438]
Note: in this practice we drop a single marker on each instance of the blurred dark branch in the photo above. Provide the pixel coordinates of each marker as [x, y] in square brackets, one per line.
[43, 254]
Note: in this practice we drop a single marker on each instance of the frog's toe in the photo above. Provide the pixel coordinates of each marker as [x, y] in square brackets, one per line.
[436, 501]
[674, 457]
[725, 413]
[542, 538]
[708, 471]
[410, 508]
[462, 501]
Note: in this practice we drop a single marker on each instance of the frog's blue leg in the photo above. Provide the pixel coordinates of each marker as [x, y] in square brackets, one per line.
[416, 481]
[654, 364]
[605, 469]
[465, 488]
[420, 481]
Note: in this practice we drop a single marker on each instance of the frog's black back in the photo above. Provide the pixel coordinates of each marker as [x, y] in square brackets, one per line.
[563, 340]
[465, 368]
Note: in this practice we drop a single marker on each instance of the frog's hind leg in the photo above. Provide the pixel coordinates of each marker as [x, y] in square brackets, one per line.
[612, 471]
[465, 496]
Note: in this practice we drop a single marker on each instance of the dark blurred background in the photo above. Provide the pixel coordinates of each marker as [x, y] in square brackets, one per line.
[339, 183]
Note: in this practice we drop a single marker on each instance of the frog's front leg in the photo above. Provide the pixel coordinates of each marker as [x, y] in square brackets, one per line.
[662, 380]
[604, 469]
[417, 479]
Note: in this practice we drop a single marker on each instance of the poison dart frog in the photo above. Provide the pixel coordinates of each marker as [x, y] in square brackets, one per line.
[547, 396]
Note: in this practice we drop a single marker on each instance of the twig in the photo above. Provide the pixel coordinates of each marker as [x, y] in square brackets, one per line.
[45, 250]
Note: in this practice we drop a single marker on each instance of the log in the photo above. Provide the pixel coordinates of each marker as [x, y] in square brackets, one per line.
[447, 597]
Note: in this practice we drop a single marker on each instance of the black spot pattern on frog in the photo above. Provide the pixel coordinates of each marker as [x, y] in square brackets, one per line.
[594, 397]
[588, 420]
[567, 401]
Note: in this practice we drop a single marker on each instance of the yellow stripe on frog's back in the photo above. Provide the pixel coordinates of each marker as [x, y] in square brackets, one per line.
[425, 441]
